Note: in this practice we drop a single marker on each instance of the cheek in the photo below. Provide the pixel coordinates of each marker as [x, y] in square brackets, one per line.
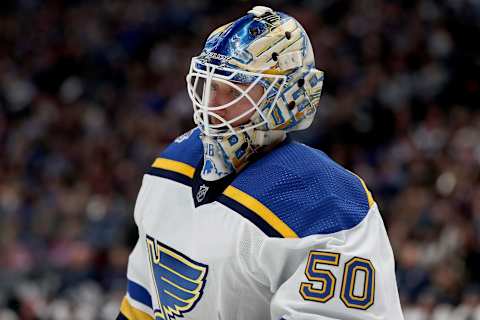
[242, 106]
[240, 110]
[257, 93]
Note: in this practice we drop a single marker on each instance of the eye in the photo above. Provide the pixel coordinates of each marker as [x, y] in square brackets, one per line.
[234, 93]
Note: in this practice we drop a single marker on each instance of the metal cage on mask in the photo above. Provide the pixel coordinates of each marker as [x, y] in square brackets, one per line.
[203, 75]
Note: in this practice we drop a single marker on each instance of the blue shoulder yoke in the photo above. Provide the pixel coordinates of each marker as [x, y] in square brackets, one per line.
[294, 188]
[307, 190]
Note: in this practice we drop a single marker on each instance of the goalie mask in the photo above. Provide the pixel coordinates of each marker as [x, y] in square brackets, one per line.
[254, 81]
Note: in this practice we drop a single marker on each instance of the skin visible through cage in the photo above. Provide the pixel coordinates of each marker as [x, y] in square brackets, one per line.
[221, 93]
[239, 103]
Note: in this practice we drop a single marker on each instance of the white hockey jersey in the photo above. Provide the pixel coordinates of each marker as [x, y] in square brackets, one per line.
[294, 236]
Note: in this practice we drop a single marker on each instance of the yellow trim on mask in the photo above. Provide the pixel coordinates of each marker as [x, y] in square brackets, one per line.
[275, 72]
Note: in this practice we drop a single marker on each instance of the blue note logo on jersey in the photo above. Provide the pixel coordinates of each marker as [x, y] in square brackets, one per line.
[179, 280]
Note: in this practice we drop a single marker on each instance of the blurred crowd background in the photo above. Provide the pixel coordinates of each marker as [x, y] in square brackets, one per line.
[91, 91]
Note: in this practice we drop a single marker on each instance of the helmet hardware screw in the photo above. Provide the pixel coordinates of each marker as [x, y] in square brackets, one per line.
[275, 56]
[254, 31]
[288, 35]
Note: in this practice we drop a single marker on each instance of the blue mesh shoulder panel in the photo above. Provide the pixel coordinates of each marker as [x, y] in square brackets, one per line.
[306, 189]
[187, 148]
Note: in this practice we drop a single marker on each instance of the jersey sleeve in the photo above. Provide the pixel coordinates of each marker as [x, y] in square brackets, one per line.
[344, 275]
[137, 303]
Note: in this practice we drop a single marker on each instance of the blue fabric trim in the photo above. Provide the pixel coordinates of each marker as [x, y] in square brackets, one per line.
[170, 175]
[249, 215]
[232, 204]
[139, 293]
[121, 317]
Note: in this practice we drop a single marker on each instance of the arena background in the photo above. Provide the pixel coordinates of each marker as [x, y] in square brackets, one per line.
[91, 91]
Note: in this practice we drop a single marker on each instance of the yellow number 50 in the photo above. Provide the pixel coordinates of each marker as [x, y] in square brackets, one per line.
[327, 280]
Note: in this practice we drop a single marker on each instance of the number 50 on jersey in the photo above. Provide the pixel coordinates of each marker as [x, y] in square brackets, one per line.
[322, 282]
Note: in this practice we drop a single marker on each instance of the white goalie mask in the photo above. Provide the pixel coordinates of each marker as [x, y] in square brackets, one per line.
[254, 81]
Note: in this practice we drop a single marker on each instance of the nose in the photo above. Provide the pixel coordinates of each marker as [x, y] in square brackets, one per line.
[218, 98]
[221, 113]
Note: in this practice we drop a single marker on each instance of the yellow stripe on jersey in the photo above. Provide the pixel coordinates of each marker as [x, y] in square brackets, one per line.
[241, 197]
[175, 166]
[261, 210]
[132, 313]
[371, 202]
[369, 194]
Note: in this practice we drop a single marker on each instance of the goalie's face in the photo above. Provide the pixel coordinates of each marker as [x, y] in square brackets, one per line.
[241, 111]
[228, 101]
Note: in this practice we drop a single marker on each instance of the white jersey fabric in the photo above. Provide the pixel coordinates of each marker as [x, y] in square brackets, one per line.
[294, 236]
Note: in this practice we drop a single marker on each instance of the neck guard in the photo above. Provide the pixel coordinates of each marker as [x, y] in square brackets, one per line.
[227, 154]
